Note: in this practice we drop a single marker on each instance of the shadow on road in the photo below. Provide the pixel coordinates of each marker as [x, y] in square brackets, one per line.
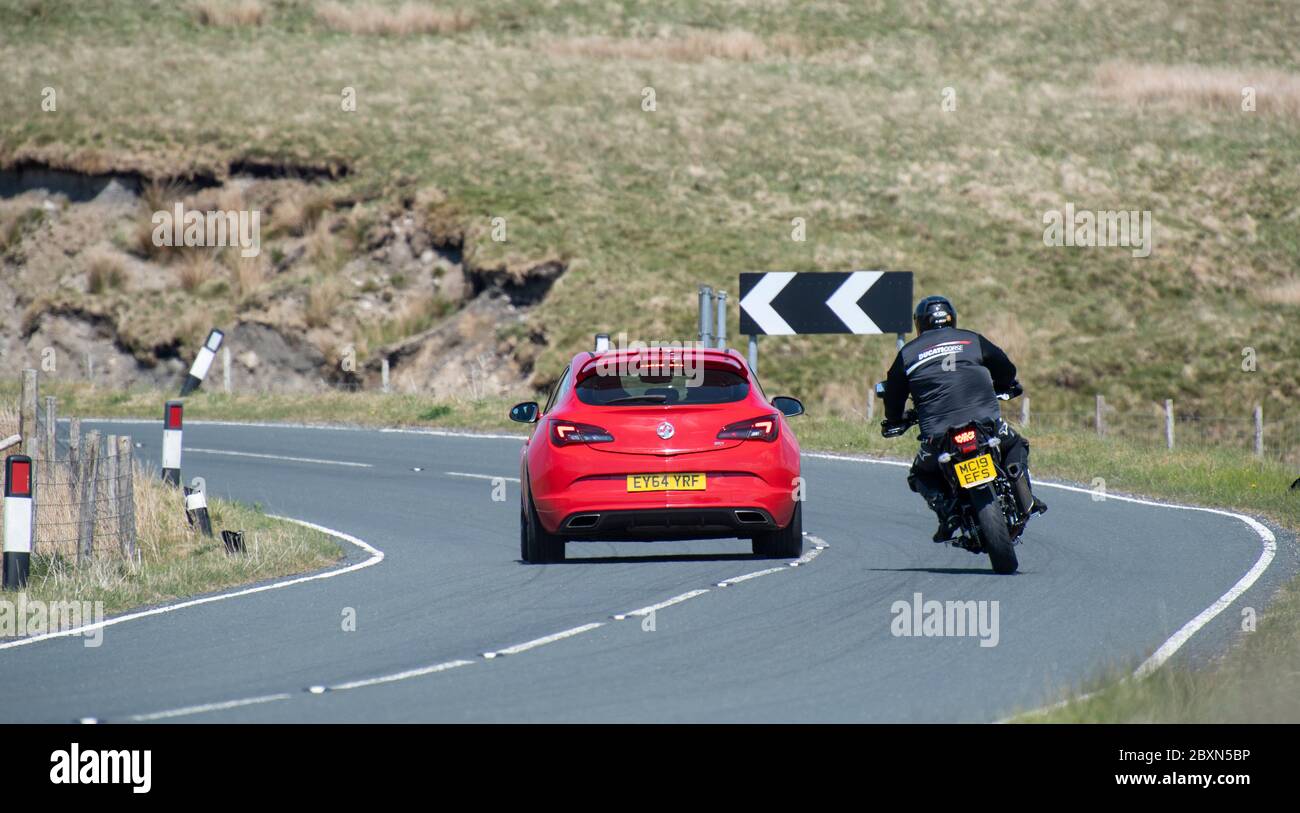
[663, 557]
[948, 571]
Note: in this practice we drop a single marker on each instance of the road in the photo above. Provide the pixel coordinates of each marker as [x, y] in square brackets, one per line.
[1102, 585]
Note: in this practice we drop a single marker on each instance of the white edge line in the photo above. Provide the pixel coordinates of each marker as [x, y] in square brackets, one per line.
[279, 457]
[481, 476]
[376, 556]
[396, 676]
[450, 433]
[546, 639]
[746, 577]
[688, 595]
[206, 707]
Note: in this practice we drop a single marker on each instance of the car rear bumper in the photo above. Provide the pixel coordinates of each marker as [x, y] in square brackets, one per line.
[666, 523]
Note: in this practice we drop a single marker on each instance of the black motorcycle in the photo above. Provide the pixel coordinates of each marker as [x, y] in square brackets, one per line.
[993, 501]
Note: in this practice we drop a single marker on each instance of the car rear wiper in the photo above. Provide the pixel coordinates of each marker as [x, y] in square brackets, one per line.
[658, 398]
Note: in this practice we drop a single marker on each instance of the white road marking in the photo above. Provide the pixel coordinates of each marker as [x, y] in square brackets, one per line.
[280, 457]
[481, 476]
[206, 707]
[544, 640]
[688, 595]
[748, 576]
[405, 675]
[376, 556]
[442, 433]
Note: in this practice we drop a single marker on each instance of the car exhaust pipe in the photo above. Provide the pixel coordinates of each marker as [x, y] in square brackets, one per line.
[584, 521]
[750, 518]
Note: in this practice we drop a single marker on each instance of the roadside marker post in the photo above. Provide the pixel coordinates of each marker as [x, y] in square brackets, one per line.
[171, 448]
[706, 313]
[602, 342]
[720, 328]
[202, 362]
[18, 521]
[196, 510]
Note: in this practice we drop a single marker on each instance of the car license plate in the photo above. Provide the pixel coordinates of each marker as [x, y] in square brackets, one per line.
[665, 482]
[976, 471]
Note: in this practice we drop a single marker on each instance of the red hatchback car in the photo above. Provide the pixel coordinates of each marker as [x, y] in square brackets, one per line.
[659, 444]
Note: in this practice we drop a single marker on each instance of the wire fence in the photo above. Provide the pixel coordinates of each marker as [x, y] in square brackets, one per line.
[83, 485]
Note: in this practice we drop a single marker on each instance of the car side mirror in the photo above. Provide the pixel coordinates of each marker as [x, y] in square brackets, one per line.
[524, 413]
[880, 389]
[788, 406]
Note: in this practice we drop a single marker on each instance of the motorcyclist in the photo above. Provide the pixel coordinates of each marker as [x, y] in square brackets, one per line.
[953, 377]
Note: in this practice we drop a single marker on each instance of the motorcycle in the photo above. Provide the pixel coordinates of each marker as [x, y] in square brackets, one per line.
[993, 501]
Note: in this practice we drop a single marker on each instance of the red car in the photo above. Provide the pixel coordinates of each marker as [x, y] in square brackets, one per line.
[659, 444]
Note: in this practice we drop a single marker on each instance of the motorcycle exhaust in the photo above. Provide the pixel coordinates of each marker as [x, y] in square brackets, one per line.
[1020, 485]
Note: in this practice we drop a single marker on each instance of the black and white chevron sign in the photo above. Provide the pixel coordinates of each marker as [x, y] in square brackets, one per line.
[787, 303]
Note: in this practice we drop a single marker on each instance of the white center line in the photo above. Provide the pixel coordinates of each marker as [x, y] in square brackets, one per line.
[481, 476]
[187, 710]
[748, 576]
[280, 457]
[396, 676]
[547, 639]
[666, 603]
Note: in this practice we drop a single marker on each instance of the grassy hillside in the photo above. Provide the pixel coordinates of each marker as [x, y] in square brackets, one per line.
[764, 112]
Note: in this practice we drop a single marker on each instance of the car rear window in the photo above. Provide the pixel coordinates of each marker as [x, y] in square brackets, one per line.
[712, 387]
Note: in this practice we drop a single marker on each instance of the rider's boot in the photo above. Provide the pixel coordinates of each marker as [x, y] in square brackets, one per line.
[948, 524]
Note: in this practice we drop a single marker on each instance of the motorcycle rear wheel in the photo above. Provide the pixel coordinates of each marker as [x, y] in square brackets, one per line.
[994, 531]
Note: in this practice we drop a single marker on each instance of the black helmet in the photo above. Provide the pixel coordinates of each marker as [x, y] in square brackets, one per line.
[934, 312]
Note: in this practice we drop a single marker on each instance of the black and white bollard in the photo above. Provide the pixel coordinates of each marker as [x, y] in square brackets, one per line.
[18, 521]
[196, 510]
[202, 362]
[171, 448]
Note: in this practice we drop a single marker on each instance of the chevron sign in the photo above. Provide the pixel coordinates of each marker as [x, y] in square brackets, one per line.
[786, 303]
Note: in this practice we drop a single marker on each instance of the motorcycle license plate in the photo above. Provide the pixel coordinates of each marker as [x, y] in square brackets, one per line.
[976, 471]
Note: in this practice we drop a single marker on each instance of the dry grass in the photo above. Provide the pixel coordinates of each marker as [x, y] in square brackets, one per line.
[230, 13]
[734, 45]
[406, 20]
[197, 267]
[104, 270]
[298, 211]
[1286, 293]
[247, 274]
[322, 301]
[1195, 87]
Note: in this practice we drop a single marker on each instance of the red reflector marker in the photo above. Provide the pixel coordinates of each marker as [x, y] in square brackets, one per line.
[18, 482]
[173, 415]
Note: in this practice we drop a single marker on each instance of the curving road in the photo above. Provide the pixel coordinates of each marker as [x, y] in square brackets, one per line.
[1102, 586]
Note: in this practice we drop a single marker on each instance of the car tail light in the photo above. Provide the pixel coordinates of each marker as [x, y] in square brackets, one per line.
[764, 427]
[965, 440]
[567, 433]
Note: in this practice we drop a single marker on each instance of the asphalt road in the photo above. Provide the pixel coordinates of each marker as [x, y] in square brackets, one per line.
[1102, 585]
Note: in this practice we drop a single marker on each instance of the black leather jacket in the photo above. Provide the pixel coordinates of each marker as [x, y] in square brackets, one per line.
[953, 376]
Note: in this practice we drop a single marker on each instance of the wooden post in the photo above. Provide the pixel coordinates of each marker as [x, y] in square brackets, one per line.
[871, 404]
[126, 498]
[1024, 410]
[383, 373]
[1169, 423]
[74, 454]
[112, 498]
[89, 470]
[1101, 416]
[1259, 430]
[225, 369]
[51, 425]
[27, 415]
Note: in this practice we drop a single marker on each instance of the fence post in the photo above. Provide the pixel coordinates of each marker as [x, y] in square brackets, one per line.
[51, 427]
[383, 374]
[225, 370]
[126, 496]
[74, 453]
[1259, 430]
[1101, 416]
[1169, 423]
[871, 404]
[27, 415]
[89, 470]
[111, 497]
